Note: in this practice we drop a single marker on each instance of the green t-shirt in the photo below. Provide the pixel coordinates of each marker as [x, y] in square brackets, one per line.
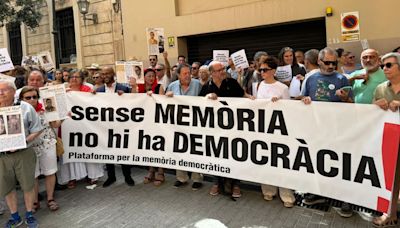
[364, 92]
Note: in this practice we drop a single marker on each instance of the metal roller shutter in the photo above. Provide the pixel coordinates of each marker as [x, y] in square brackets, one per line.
[303, 35]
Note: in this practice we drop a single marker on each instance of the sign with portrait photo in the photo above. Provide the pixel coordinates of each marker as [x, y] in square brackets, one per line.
[46, 61]
[155, 40]
[53, 99]
[12, 133]
[127, 69]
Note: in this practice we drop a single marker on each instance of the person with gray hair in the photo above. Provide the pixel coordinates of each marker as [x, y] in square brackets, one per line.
[204, 74]
[387, 96]
[19, 165]
[311, 64]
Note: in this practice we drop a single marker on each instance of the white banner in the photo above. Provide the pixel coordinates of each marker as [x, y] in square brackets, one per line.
[328, 149]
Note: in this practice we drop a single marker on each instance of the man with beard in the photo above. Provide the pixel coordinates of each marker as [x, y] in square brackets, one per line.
[110, 86]
[326, 85]
[366, 80]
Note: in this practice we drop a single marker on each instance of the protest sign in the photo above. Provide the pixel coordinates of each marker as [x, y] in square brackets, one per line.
[239, 59]
[284, 73]
[254, 140]
[221, 56]
[126, 70]
[12, 134]
[30, 61]
[4, 77]
[5, 61]
[46, 61]
[54, 100]
[155, 40]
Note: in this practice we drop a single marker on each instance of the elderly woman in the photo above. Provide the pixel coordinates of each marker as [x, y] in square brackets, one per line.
[74, 171]
[151, 86]
[204, 74]
[45, 147]
[286, 57]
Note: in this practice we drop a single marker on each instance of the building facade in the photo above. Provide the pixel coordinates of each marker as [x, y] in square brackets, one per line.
[196, 28]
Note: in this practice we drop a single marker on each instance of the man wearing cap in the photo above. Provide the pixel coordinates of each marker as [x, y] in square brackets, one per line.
[92, 69]
[19, 165]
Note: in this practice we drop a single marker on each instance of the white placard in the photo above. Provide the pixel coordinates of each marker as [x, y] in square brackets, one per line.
[46, 61]
[12, 133]
[155, 40]
[54, 102]
[284, 73]
[126, 70]
[239, 59]
[221, 56]
[5, 61]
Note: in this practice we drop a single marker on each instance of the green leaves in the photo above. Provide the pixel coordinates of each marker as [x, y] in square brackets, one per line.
[21, 11]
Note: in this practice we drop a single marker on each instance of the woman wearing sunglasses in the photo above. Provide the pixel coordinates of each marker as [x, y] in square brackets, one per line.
[45, 147]
[274, 90]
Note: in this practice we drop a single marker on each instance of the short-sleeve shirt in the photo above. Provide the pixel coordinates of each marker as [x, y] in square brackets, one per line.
[364, 92]
[322, 87]
[31, 119]
[229, 88]
[193, 90]
[384, 90]
[276, 89]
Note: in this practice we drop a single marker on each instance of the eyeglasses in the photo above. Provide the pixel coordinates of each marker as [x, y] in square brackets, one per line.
[31, 97]
[152, 60]
[262, 70]
[159, 69]
[351, 57]
[388, 65]
[327, 63]
[220, 70]
[95, 77]
[74, 77]
[5, 90]
[195, 68]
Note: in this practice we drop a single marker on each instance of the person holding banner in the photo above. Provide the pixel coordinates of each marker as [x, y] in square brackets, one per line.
[148, 87]
[185, 86]
[45, 149]
[222, 86]
[272, 89]
[74, 171]
[110, 86]
[287, 57]
[387, 96]
[19, 165]
[326, 85]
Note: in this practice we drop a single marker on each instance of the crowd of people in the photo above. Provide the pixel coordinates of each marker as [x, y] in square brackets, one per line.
[326, 75]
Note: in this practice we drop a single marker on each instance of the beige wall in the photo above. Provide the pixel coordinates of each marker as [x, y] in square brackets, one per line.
[188, 17]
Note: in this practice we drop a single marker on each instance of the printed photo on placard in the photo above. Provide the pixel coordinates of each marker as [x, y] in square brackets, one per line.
[155, 40]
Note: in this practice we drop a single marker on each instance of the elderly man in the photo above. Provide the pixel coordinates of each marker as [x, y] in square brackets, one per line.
[19, 165]
[254, 76]
[185, 86]
[311, 64]
[366, 80]
[110, 86]
[222, 86]
[326, 85]
[387, 96]
[35, 79]
[163, 72]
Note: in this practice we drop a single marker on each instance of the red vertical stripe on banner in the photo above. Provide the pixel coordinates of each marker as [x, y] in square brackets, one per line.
[390, 148]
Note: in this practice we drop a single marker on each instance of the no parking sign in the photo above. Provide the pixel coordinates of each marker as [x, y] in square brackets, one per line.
[350, 26]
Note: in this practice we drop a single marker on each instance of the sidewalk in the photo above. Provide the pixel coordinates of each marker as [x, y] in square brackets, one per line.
[148, 206]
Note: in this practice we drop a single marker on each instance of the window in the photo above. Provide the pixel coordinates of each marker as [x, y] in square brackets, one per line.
[14, 35]
[66, 34]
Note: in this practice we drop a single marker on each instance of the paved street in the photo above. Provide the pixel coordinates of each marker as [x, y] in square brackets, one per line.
[148, 206]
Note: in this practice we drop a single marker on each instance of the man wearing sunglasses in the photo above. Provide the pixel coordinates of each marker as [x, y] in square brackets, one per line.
[195, 70]
[163, 72]
[326, 85]
[366, 80]
[153, 61]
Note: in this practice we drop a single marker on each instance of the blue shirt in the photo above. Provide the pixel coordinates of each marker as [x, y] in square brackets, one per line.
[323, 87]
[31, 119]
[194, 88]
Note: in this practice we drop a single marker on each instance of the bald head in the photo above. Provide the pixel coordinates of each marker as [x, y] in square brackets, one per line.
[370, 60]
[108, 73]
[35, 79]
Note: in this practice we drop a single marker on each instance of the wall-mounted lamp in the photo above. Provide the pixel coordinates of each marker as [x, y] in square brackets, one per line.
[116, 5]
[329, 11]
[83, 6]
